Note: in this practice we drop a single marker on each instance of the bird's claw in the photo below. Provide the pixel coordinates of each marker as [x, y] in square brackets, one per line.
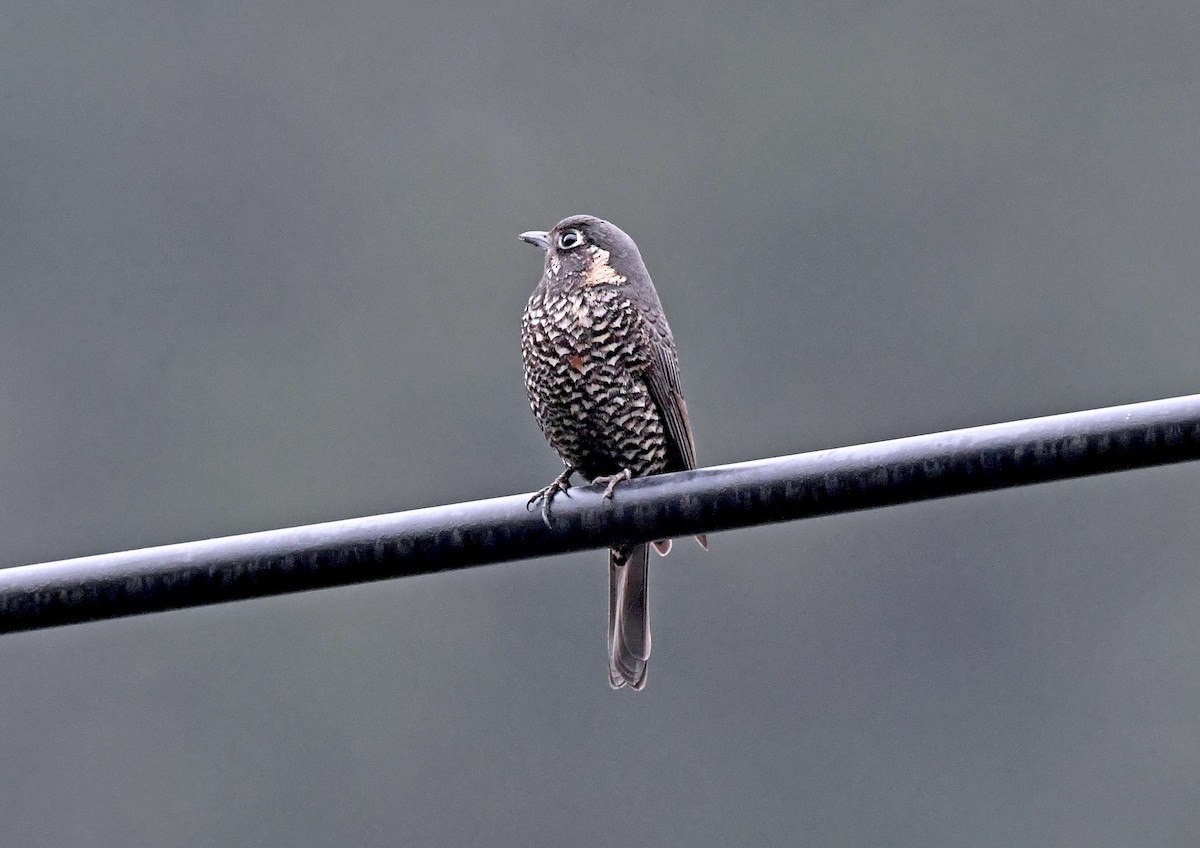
[610, 482]
[561, 483]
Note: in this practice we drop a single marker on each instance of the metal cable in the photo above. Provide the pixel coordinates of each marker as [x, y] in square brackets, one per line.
[442, 538]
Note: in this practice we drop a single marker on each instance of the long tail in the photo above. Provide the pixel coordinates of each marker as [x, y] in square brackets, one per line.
[628, 616]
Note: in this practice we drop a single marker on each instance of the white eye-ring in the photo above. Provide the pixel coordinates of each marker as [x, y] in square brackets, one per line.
[570, 239]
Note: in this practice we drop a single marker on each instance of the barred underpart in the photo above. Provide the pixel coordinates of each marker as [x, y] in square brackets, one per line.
[584, 350]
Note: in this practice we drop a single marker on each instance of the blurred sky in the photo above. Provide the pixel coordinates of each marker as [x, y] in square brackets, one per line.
[260, 268]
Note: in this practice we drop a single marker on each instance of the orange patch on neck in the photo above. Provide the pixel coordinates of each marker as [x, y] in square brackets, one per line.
[576, 362]
[600, 272]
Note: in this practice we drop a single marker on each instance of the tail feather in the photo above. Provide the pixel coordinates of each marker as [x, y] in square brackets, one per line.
[628, 616]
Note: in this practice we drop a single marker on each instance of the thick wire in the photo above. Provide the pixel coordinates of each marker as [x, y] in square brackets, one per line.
[707, 500]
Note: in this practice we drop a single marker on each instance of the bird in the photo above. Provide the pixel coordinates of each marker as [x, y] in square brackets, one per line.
[602, 376]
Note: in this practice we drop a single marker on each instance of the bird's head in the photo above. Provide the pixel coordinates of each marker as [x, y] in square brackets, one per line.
[589, 251]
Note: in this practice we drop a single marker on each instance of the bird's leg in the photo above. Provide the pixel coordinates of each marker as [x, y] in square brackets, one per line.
[610, 482]
[561, 484]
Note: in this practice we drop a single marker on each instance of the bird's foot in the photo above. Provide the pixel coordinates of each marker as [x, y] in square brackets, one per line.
[610, 482]
[561, 484]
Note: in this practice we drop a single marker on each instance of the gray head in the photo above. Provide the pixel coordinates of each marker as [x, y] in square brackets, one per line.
[589, 251]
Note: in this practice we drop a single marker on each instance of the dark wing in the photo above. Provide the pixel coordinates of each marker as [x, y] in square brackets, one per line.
[662, 379]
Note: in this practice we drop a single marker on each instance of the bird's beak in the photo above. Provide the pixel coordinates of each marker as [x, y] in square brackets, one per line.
[536, 238]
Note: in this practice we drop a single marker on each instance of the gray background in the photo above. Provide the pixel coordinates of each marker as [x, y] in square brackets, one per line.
[260, 269]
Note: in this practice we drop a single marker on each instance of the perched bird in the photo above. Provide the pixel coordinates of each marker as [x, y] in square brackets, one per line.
[602, 376]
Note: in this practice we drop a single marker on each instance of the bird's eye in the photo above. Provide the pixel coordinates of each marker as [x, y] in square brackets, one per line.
[570, 239]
